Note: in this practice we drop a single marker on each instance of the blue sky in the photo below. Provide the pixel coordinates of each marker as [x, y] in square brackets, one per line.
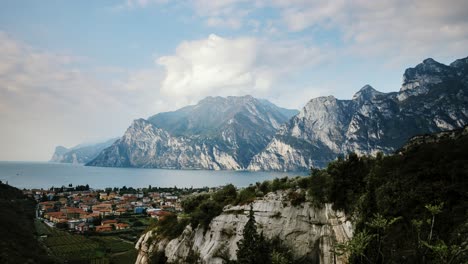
[77, 71]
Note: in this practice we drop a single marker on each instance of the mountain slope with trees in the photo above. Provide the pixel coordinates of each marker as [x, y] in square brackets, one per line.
[18, 241]
[410, 207]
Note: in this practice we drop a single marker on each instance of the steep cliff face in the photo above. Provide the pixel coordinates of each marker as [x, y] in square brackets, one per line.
[217, 133]
[310, 232]
[146, 146]
[80, 154]
[59, 153]
[433, 98]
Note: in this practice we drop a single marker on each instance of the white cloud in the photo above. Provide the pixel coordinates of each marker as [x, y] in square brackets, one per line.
[232, 66]
[48, 99]
[400, 31]
[397, 30]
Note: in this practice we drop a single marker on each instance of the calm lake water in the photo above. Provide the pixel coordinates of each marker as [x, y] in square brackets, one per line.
[46, 175]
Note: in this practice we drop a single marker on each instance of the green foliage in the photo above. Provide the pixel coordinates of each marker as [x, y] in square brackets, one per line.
[191, 203]
[72, 248]
[280, 184]
[280, 253]
[444, 253]
[356, 246]
[170, 226]
[18, 243]
[205, 212]
[348, 181]
[203, 208]
[253, 248]
[226, 195]
[407, 207]
[246, 195]
[296, 198]
[380, 223]
[319, 190]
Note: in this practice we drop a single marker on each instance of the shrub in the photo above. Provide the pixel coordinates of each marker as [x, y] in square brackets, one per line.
[296, 198]
[246, 195]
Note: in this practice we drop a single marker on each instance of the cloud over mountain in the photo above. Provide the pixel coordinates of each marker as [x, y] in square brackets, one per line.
[232, 66]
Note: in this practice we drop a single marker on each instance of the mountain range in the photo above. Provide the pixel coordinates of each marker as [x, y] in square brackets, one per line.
[432, 98]
[247, 133]
[80, 154]
[217, 133]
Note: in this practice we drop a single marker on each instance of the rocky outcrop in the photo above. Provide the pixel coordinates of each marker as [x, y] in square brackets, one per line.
[80, 154]
[59, 153]
[433, 98]
[217, 134]
[310, 232]
[146, 146]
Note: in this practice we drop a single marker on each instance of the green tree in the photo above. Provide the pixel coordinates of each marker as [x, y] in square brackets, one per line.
[226, 195]
[434, 209]
[253, 248]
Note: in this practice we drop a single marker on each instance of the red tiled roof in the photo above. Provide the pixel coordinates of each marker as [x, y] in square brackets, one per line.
[106, 222]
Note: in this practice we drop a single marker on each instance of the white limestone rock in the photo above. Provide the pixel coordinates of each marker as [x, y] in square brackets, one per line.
[310, 232]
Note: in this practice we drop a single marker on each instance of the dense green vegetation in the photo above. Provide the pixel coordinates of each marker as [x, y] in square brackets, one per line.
[18, 243]
[256, 249]
[253, 248]
[410, 207]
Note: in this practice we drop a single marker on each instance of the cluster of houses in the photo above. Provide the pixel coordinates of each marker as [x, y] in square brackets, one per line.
[90, 210]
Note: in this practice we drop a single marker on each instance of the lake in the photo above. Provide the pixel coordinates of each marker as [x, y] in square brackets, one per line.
[46, 174]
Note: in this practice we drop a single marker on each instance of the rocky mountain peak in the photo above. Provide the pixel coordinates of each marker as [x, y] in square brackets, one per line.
[366, 93]
[420, 79]
[81, 153]
[216, 133]
[327, 127]
[460, 63]
[60, 150]
[330, 99]
[425, 73]
[461, 66]
[430, 61]
[140, 122]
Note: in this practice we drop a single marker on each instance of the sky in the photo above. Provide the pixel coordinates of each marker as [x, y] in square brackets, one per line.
[73, 72]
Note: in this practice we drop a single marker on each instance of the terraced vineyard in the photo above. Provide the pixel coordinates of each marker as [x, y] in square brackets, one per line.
[71, 248]
[113, 244]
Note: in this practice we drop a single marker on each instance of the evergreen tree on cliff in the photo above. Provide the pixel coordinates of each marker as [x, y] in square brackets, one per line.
[253, 248]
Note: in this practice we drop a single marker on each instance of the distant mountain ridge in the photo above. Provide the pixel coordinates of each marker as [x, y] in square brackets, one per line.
[239, 133]
[433, 98]
[217, 133]
[81, 153]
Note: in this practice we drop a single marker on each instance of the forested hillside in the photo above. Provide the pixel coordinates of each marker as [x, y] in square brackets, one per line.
[410, 207]
[18, 242]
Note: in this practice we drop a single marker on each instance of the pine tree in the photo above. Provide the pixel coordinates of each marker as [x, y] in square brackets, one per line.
[253, 248]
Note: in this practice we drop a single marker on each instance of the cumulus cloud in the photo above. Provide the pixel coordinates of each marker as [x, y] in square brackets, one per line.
[232, 66]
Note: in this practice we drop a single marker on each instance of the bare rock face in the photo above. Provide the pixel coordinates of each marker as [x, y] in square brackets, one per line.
[433, 98]
[310, 232]
[217, 134]
[246, 133]
[80, 154]
[146, 146]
